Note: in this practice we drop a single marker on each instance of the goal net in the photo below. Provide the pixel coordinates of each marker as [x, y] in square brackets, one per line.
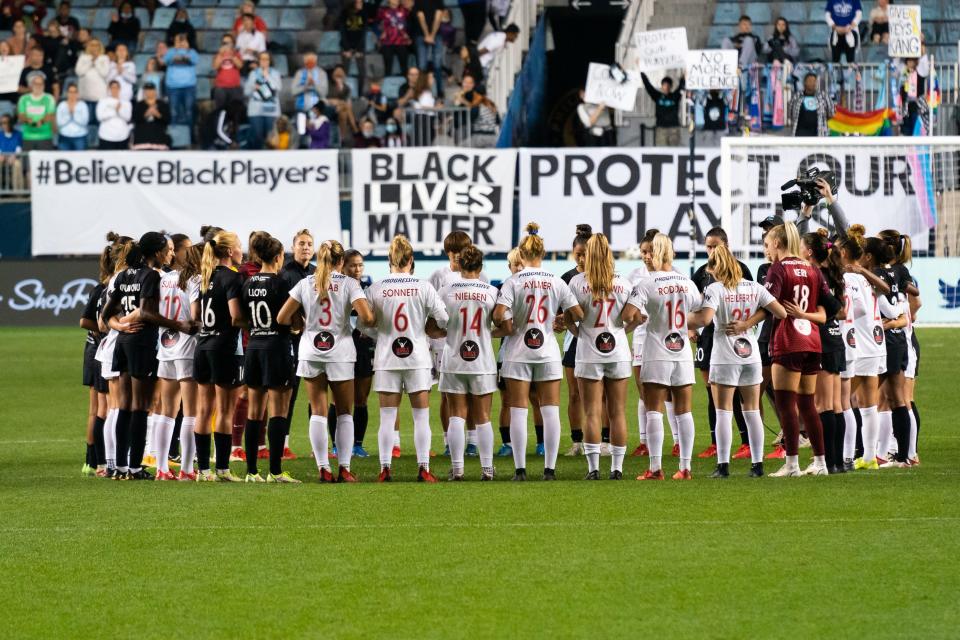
[903, 183]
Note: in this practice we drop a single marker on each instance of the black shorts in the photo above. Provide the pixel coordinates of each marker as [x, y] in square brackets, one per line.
[135, 360]
[805, 362]
[268, 368]
[701, 359]
[765, 359]
[896, 358]
[834, 362]
[364, 365]
[570, 357]
[91, 367]
[224, 369]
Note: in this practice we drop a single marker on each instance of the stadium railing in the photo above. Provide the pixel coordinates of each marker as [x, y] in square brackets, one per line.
[507, 64]
[448, 126]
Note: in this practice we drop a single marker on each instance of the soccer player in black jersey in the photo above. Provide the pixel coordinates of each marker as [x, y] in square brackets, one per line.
[575, 413]
[363, 370]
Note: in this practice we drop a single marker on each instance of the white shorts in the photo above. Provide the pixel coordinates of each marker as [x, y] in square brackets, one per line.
[638, 354]
[335, 371]
[402, 380]
[601, 370]
[736, 375]
[668, 373]
[107, 372]
[848, 371]
[475, 384]
[911, 371]
[874, 366]
[175, 369]
[532, 372]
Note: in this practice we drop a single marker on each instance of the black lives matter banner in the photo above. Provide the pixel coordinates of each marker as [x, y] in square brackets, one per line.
[425, 193]
[38, 293]
[79, 197]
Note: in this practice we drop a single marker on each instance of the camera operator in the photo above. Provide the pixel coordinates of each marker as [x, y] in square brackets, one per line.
[810, 109]
[840, 222]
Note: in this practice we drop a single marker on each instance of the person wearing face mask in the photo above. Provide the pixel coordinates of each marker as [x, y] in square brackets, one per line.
[181, 24]
[124, 27]
[394, 138]
[318, 127]
[378, 108]
[309, 83]
[367, 138]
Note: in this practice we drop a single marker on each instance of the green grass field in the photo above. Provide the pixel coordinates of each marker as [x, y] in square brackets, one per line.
[871, 554]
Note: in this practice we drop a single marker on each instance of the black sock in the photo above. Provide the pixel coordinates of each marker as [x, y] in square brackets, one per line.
[829, 438]
[251, 444]
[138, 437]
[359, 424]
[99, 447]
[221, 450]
[539, 430]
[332, 423]
[738, 416]
[840, 428]
[203, 450]
[276, 432]
[505, 435]
[901, 431]
[605, 434]
[858, 451]
[916, 417]
[576, 434]
[175, 441]
[123, 438]
[90, 459]
[712, 417]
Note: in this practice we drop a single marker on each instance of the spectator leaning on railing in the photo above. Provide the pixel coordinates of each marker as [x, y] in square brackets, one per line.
[843, 16]
[36, 112]
[73, 116]
[263, 100]
[782, 46]
[810, 109]
[309, 83]
[114, 114]
[493, 43]
[747, 44]
[181, 80]
[667, 110]
[150, 119]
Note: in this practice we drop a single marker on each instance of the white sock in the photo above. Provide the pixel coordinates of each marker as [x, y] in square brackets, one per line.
[591, 451]
[551, 435]
[385, 434]
[472, 436]
[456, 440]
[912, 449]
[686, 433]
[318, 441]
[485, 444]
[724, 432]
[655, 438]
[869, 432]
[616, 458]
[286, 441]
[820, 462]
[518, 436]
[671, 422]
[421, 436]
[396, 433]
[188, 445]
[849, 434]
[755, 434]
[884, 432]
[445, 443]
[793, 462]
[163, 428]
[110, 437]
[642, 420]
[151, 446]
[344, 440]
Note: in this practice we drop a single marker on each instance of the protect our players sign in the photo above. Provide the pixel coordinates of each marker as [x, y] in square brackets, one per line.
[610, 86]
[662, 49]
[425, 193]
[712, 69]
[904, 31]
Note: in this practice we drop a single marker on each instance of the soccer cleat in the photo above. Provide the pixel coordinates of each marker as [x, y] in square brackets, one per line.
[616, 475]
[683, 474]
[847, 465]
[756, 470]
[592, 475]
[914, 461]
[385, 475]
[254, 478]
[815, 470]
[742, 453]
[173, 462]
[549, 474]
[164, 476]
[282, 478]
[709, 452]
[722, 470]
[804, 442]
[207, 476]
[396, 452]
[446, 450]
[187, 477]
[288, 454]
[237, 454]
[263, 453]
[121, 475]
[87, 471]
[540, 450]
[486, 475]
[520, 475]
[787, 471]
[102, 473]
[862, 465]
[325, 476]
[227, 476]
[896, 464]
[576, 449]
[651, 475]
[778, 453]
[881, 461]
[675, 452]
[605, 449]
[359, 451]
[641, 450]
[455, 477]
[471, 451]
[424, 475]
[142, 474]
[149, 461]
[505, 450]
[344, 475]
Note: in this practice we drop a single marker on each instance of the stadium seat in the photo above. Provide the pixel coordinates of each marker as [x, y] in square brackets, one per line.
[140, 60]
[354, 85]
[391, 86]
[816, 12]
[292, 19]
[930, 13]
[198, 17]
[230, 3]
[273, 3]
[163, 17]
[816, 34]
[179, 136]
[281, 64]
[203, 88]
[951, 11]
[204, 3]
[456, 18]
[83, 3]
[371, 44]
[271, 17]
[150, 40]
[329, 42]
[299, 3]
[223, 19]
[101, 18]
[717, 34]
[205, 64]
[794, 12]
[7, 108]
[143, 16]
[759, 13]
[726, 13]
[282, 40]
[209, 40]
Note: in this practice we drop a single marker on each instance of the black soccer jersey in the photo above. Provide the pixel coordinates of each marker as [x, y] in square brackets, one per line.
[766, 331]
[831, 337]
[898, 277]
[569, 275]
[217, 332]
[264, 294]
[131, 288]
[92, 312]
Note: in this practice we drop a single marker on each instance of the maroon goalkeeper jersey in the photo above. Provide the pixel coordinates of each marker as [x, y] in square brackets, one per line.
[797, 281]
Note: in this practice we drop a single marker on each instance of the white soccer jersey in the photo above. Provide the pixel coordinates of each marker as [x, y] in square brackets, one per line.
[327, 333]
[106, 346]
[868, 336]
[533, 297]
[635, 277]
[666, 298]
[469, 348]
[445, 275]
[601, 337]
[732, 305]
[402, 304]
[175, 305]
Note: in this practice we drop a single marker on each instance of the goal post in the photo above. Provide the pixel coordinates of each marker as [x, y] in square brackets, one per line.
[910, 184]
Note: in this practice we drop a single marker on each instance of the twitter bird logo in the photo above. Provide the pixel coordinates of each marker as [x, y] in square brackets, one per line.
[951, 294]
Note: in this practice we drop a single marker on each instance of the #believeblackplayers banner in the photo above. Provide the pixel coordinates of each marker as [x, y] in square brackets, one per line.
[78, 197]
[425, 193]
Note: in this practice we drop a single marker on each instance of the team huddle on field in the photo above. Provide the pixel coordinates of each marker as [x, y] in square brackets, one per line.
[192, 340]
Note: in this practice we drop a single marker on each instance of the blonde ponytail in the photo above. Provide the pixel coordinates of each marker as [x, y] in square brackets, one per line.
[401, 252]
[531, 247]
[214, 250]
[788, 237]
[725, 267]
[329, 255]
[661, 251]
[598, 266]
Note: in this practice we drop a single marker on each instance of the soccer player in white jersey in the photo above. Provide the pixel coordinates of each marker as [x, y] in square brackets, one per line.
[735, 358]
[639, 334]
[468, 371]
[175, 371]
[665, 299]
[327, 353]
[525, 309]
[403, 307]
[603, 354]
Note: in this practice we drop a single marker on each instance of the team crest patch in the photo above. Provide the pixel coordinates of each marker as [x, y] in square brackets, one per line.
[802, 326]
[878, 334]
[674, 342]
[852, 339]
[402, 347]
[169, 338]
[533, 338]
[605, 342]
[742, 347]
[324, 341]
[469, 350]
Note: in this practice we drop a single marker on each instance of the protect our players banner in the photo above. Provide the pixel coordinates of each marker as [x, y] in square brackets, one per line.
[78, 197]
[425, 193]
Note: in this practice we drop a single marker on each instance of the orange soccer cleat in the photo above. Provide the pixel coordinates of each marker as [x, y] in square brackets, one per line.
[385, 475]
[424, 475]
[396, 452]
[676, 450]
[326, 476]
[640, 451]
[778, 453]
[238, 455]
[709, 452]
[651, 475]
[683, 474]
[288, 454]
[344, 475]
[742, 453]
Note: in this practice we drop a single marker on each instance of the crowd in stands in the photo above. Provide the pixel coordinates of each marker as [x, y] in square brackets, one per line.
[78, 91]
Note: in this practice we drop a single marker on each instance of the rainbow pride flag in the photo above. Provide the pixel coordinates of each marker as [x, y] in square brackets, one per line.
[871, 123]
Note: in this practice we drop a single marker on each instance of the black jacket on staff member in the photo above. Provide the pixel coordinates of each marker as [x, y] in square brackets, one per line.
[291, 273]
